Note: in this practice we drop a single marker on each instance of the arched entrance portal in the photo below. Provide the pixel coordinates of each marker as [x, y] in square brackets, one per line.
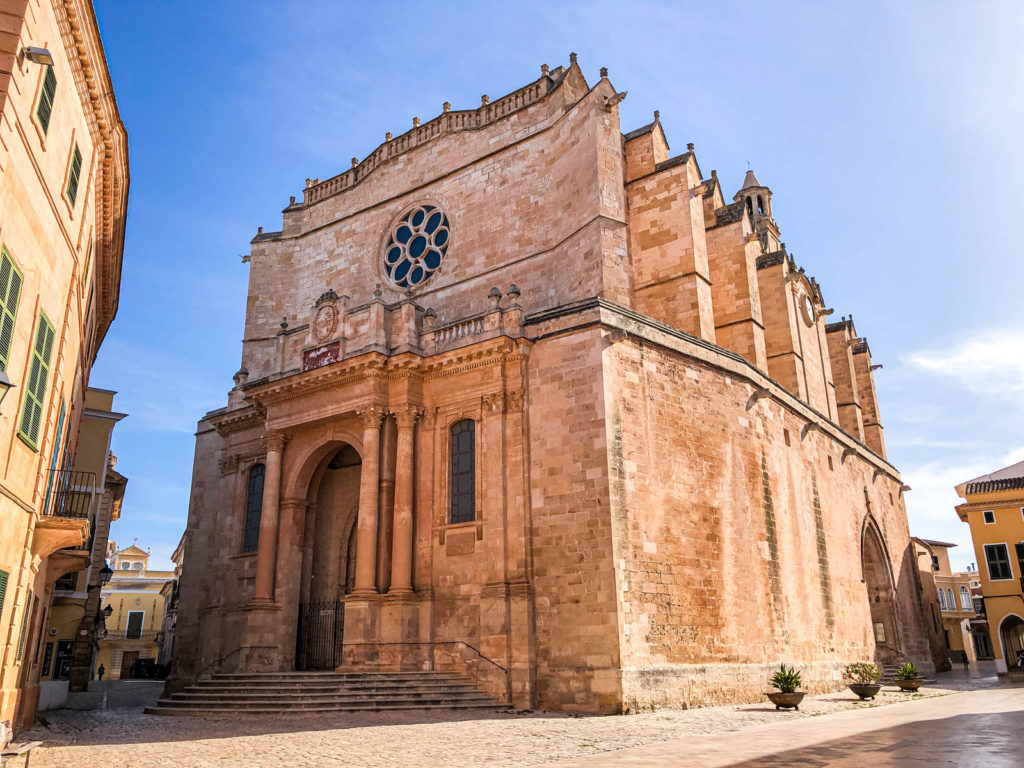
[881, 595]
[1011, 638]
[328, 559]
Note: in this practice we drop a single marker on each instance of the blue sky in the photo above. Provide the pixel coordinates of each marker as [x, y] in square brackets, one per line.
[888, 132]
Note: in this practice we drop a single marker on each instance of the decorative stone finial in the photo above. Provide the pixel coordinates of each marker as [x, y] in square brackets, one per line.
[309, 183]
[513, 293]
[291, 200]
[495, 296]
[572, 59]
[428, 318]
[240, 377]
[543, 70]
[355, 161]
[485, 100]
[714, 174]
[377, 292]
[259, 230]
[446, 107]
[284, 323]
[415, 122]
[657, 115]
[689, 147]
[387, 136]
[604, 71]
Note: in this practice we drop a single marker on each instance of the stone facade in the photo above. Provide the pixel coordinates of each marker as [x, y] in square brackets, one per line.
[676, 476]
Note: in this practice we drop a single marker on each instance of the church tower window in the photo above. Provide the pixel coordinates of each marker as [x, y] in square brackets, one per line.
[253, 508]
[463, 471]
[416, 246]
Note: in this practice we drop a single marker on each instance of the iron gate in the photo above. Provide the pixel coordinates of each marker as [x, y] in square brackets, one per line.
[321, 627]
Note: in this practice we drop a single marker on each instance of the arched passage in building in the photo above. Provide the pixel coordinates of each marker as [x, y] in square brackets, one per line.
[1011, 640]
[881, 594]
[328, 558]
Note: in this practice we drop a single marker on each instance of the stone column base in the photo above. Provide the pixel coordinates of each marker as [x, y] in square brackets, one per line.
[260, 648]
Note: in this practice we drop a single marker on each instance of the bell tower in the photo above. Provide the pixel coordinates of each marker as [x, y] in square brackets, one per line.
[757, 200]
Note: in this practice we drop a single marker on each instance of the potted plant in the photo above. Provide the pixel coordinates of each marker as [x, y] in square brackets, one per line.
[862, 678]
[906, 677]
[787, 696]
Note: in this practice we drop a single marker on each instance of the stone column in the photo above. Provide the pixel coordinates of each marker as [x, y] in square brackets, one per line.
[401, 543]
[266, 555]
[369, 485]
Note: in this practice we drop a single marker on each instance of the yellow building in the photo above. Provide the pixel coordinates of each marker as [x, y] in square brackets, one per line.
[955, 603]
[994, 508]
[71, 640]
[136, 599]
[63, 198]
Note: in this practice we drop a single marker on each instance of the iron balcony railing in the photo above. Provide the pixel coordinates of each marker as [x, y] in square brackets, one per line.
[69, 493]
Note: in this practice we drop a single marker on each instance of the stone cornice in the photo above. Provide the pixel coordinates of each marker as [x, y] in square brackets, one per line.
[371, 364]
[80, 35]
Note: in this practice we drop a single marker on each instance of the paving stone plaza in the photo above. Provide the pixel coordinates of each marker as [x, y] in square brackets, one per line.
[959, 711]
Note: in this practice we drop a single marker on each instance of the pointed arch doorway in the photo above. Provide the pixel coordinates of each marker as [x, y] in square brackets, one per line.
[328, 559]
[881, 594]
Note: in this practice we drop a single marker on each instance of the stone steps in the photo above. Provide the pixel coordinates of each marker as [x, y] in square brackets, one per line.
[307, 692]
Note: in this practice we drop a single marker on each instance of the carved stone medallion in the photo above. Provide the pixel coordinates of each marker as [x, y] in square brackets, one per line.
[326, 322]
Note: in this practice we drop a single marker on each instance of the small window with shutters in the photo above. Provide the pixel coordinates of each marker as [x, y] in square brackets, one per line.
[74, 175]
[24, 625]
[35, 388]
[463, 471]
[45, 108]
[10, 294]
[134, 630]
[4, 575]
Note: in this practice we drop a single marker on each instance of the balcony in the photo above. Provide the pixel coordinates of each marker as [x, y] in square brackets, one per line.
[66, 517]
[69, 493]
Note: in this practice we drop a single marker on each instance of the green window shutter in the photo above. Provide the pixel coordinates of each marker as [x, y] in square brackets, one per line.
[3, 589]
[76, 172]
[24, 625]
[45, 108]
[55, 453]
[35, 389]
[10, 293]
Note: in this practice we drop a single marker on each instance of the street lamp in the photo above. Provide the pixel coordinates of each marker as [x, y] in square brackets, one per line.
[37, 55]
[106, 573]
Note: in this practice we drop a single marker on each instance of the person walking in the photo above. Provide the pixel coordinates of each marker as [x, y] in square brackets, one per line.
[100, 671]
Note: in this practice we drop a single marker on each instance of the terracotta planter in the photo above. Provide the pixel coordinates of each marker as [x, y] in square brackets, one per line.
[786, 700]
[865, 690]
[910, 685]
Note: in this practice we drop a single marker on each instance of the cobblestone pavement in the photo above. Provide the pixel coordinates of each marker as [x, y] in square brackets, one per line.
[119, 738]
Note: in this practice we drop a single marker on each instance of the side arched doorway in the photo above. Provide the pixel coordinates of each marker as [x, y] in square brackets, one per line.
[328, 559]
[1011, 640]
[881, 595]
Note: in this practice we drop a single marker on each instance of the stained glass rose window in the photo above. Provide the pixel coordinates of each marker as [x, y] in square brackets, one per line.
[416, 245]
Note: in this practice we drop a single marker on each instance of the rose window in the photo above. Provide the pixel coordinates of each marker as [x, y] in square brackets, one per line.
[416, 246]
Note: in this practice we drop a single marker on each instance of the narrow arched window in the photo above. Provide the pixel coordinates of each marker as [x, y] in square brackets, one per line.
[463, 471]
[950, 600]
[965, 599]
[942, 599]
[253, 508]
[760, 204]
[750, 206]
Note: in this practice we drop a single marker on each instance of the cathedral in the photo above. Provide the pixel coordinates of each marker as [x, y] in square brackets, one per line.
[530, 398]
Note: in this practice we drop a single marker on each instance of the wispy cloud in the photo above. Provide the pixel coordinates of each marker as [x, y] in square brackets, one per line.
[988, 362]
